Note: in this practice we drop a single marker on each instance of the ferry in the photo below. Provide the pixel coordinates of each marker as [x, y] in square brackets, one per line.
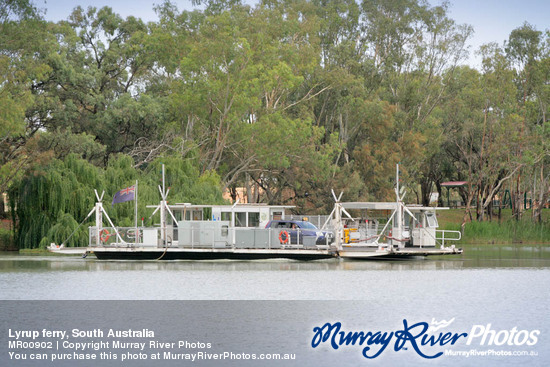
[389, 230]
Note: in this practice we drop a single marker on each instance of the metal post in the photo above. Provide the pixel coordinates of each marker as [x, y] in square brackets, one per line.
[136, 236]
[98, 222]
[397, 230]
[338, 220]
[163, 211]
[233, 221]
[98, 216]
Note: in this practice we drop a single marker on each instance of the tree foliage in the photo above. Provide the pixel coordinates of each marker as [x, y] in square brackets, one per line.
[284, 98]
[49, 201]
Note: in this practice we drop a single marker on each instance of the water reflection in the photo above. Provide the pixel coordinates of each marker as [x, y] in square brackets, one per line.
[58, 263]
[506, 256]
[474, 256]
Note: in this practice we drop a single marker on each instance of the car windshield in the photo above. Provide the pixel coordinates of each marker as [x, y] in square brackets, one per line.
[306, 225]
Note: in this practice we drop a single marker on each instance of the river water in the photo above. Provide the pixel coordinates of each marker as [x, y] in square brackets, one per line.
[491, 288]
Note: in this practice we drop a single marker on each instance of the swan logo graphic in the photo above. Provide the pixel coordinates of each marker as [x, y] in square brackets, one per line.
[434, 325]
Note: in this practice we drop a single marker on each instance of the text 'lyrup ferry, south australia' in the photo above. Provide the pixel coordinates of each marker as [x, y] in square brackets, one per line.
[376, 230]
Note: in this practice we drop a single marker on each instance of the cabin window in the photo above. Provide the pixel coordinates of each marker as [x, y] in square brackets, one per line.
[193, 214]
[226, 216]
[277, 215]
[197, 214]
[432, 220]
[253, 219]
[417, 221]
[240, 219]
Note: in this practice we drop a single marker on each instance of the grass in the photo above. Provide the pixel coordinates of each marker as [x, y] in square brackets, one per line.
[505, 231]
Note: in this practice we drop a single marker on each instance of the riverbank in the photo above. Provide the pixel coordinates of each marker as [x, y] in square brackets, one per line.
[507, 230]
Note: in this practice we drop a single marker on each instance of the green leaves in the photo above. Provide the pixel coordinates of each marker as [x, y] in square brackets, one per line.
[290, 98]
[50, 201]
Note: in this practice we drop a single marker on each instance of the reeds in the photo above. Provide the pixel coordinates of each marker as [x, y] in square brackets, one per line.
[505, 230]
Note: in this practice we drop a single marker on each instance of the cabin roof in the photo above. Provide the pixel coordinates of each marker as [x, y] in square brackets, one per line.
[386, 206]
[222, 206]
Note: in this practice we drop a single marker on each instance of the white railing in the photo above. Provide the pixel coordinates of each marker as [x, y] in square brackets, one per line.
[211, 236]
[109, 236]
[245, 238]
[444, 237]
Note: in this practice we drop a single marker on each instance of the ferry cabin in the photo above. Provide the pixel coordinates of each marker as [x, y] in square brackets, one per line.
[198, 224]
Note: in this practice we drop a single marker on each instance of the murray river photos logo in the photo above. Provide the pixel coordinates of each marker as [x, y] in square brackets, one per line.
[423, 338]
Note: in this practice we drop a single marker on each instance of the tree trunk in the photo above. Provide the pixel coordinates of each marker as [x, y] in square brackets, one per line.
[542, 197]
[425, 191]
[467, 212]
[440, 202]
[516, 201]
[249, 194]
[479, 207]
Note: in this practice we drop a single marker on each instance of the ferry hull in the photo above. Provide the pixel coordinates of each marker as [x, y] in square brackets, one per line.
[103, 253]
[405, 253]
[358, 253]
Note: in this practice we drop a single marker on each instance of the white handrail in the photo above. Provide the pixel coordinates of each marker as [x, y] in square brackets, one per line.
[443, 238]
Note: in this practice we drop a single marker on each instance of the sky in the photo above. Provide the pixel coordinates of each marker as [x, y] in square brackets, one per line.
[492, 20]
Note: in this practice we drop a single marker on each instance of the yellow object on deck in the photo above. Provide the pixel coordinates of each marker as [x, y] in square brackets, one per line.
[347, 234]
